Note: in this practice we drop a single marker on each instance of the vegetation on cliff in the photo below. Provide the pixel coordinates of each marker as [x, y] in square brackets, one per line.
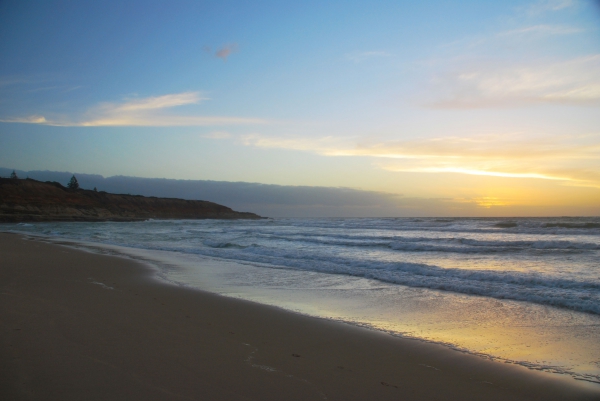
[31, 200]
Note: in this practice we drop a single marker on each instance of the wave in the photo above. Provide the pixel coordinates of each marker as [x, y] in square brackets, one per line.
[224, 245]
[535, 226]
[390, 241]
[386, 253]
[429, 244]
[572, 225]
[559, 244]
[507, 224]
[581, 296]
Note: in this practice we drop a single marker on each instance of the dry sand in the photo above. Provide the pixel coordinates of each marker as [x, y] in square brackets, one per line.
[82, 326]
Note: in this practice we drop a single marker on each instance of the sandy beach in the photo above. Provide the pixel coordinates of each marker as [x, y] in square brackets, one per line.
[78, 325]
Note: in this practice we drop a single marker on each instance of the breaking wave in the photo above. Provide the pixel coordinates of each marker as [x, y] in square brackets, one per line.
[550, 261]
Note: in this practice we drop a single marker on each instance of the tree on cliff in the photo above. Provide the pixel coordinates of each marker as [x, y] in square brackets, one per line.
[13, 175]
[73, 184]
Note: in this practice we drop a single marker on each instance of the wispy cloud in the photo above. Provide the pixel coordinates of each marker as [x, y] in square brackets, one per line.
[222, 52]
[18, 80]
[564, 158]
[225, 51]
[357, 57]
[35, 83]
[157, 102]
[43, 88]
[574, 81]
[544, 6]
[540, 30]
[322, 145]
[56, 88]
[522, 36]
[26, 120]
[572, 160]
[218, 135]
[144, 112]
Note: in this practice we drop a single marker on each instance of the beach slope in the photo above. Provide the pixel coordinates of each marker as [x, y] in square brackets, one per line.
[77, 325]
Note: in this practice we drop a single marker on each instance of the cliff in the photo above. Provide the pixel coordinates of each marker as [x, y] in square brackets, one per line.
[31, 200]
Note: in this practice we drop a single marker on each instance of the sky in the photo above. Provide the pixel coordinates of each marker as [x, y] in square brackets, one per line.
[472, 108]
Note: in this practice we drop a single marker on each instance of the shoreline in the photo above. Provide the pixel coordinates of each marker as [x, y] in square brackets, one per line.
[157, 263]
[103, 326]
[206, 267]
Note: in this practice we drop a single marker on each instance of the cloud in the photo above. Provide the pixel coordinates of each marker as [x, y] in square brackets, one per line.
[575, 81]
[540, 31]
[218, 135]
[145, 112]
[563, 158]
[34, 83]
[158, 102]
[163, 121]
[320, 145]
[19, 80]
[517, 37]
[357, 57]
[570, 159]
[26, 120]
[226, 51]
[544, 6]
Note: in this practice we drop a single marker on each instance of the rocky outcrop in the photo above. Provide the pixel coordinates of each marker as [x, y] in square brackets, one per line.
[31, 200]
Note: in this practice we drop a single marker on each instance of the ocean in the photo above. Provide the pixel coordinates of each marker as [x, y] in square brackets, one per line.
[519, 290]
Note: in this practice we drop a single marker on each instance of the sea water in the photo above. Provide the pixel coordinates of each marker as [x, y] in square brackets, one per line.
[521, 290]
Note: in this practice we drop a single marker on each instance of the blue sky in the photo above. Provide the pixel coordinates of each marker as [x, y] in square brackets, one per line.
[492, 105]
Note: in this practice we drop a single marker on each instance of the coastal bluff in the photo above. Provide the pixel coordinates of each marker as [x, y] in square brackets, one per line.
[29, 200]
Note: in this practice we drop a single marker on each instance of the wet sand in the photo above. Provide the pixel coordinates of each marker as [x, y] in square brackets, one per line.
[77, 325]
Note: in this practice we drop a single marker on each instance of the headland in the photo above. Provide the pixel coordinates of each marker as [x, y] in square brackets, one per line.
[30, 200]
